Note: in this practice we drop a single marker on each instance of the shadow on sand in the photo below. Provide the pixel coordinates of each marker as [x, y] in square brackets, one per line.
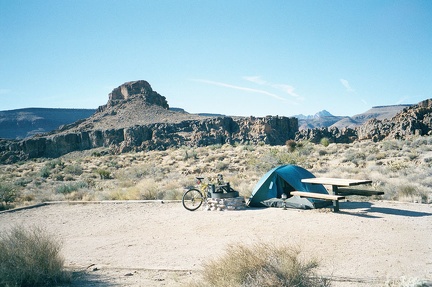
[368, 210]
[89, 279]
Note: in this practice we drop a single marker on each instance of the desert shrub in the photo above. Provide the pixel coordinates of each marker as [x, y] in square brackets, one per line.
[261, 265]
[190, 154]
[103, 173]
[355, 157]
[381, 156]
[59, 177]
[248, 147]
[45, 172]
[392, 145]
[221, 166]
[325, 142]
[22, 181]
[53, 163]
[398, 165]
[75, 169]
[173, 194]
[413, 155]
[141, 171]
[30, 257]
[405, 282]
[8, 194]
[410, 192]
[146, 189]
[291, 144]
[275, 157]
[70, 187]
[150, 189]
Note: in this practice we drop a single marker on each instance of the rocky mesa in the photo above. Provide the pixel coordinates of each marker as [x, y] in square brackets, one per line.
[137, 118]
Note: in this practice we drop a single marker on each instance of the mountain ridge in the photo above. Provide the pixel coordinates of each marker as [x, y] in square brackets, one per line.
[27, 122]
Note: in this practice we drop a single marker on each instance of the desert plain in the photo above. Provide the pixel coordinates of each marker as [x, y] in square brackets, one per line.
[159, 243]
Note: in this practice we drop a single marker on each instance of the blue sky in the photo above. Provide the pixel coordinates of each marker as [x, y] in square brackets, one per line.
[233, 57]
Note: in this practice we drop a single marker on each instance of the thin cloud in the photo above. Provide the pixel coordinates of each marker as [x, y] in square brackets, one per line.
[288, 89]
[402, 100]
[240, 88]
[346, 84]
[255, 79]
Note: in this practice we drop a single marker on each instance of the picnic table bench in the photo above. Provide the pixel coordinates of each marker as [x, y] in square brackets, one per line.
[334, 198]
[362, 192]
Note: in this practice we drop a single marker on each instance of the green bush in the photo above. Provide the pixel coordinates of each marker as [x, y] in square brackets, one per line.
[53, 163]
[325, 142]
[261, 265]
[45, 172]
[104, 174]
[30, 258]
[75, 169]
[8, 193]
[70, 187]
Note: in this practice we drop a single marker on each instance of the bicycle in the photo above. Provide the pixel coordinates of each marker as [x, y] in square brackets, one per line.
[194, 197]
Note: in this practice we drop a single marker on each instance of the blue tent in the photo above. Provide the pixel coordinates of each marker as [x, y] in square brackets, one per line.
[284, 179]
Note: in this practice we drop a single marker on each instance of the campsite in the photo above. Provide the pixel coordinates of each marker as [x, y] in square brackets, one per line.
[280, 182]
[114, 236]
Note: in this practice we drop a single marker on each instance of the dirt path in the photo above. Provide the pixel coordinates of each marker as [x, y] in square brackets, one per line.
[162, 244]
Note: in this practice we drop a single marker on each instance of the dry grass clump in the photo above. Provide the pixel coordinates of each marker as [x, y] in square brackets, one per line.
[405, 282]
[30, 257]
[261, 265]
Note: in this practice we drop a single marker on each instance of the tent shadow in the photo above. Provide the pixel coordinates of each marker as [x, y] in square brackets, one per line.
[368, 210]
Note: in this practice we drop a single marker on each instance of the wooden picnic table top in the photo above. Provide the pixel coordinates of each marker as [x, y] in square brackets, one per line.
[336, 181]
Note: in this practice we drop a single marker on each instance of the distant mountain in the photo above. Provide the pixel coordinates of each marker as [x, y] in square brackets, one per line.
[23, 123]
[318, 120]
[377, 112]
[325, 119]
[320, 114]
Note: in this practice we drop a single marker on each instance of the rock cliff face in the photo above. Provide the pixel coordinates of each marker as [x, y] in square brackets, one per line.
[334, 134]
[135, 90]
[136, 118]
[412, 121]
[415, 120]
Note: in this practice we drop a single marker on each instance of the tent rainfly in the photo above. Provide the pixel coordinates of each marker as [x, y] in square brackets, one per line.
[282, 180]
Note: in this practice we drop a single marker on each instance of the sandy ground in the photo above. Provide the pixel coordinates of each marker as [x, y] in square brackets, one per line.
[162, 244]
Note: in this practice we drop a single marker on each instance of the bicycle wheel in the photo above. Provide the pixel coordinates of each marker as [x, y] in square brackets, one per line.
[192, 199]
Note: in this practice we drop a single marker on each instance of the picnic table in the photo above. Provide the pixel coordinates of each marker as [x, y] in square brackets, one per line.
[339, 189]
[336, 183]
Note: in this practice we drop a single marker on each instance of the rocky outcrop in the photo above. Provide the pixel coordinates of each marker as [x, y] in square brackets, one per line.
[135, 89]
[159, 136]
[333, 134]
[415, 120]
